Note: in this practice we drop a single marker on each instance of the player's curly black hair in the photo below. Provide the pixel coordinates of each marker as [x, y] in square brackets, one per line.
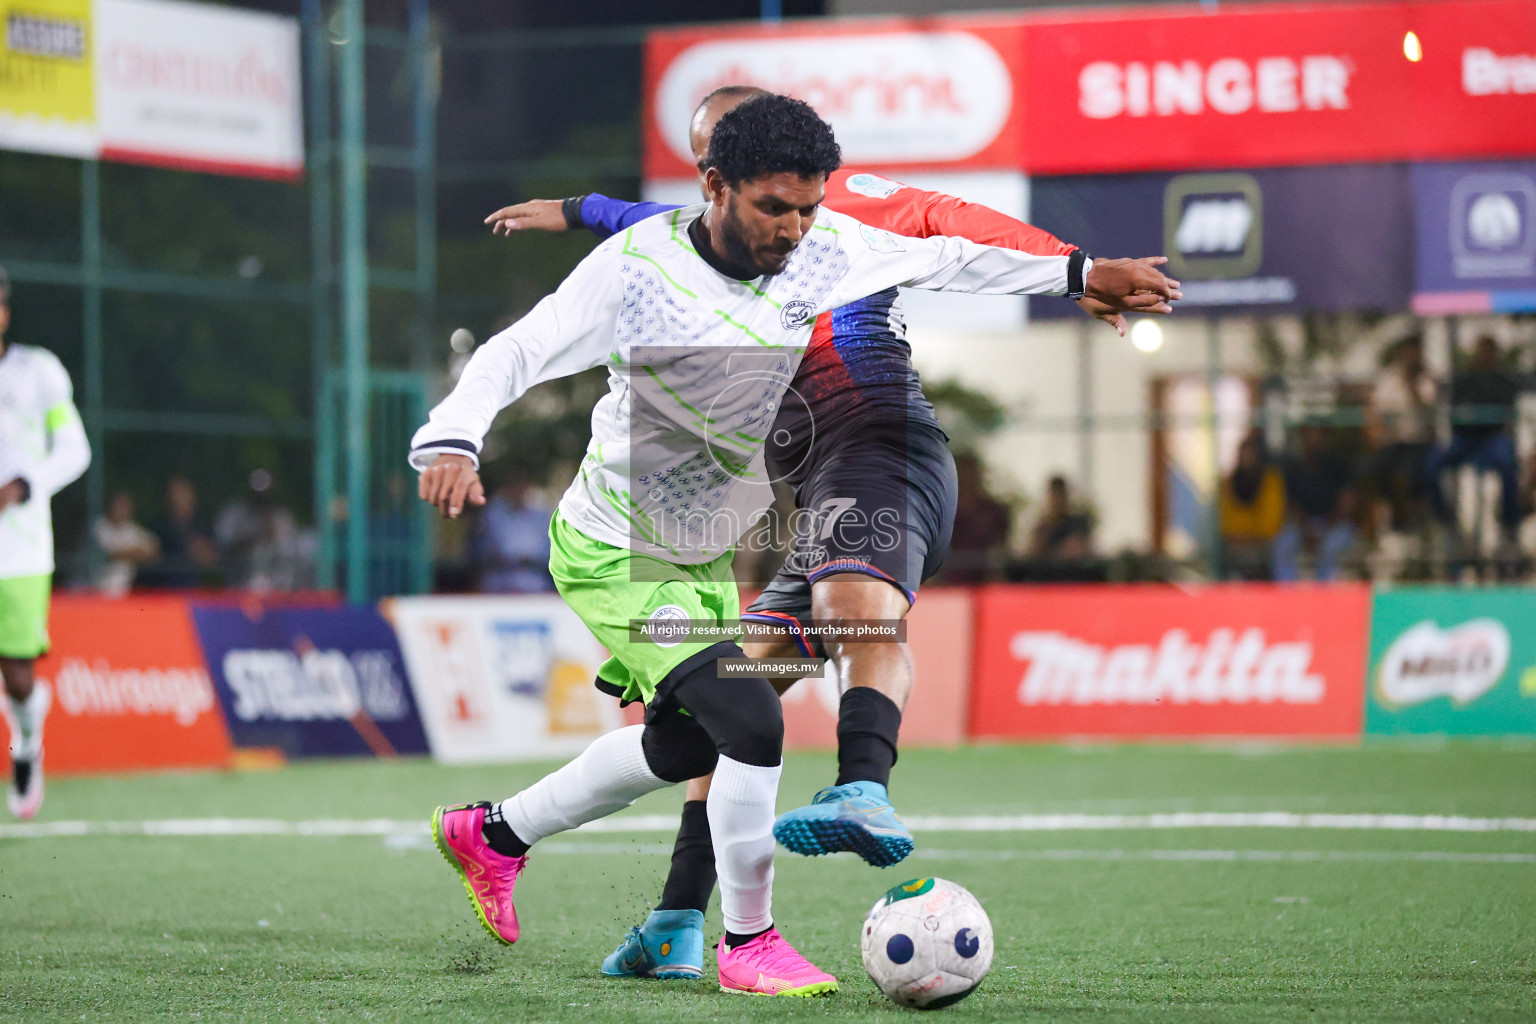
[770, 134]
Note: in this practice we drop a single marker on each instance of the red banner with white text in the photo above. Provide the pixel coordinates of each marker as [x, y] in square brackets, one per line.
[1142, 662]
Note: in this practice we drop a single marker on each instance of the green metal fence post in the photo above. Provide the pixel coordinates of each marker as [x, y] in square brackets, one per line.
[322, 320]
[90, 280]
[354, 288]
[426, 58]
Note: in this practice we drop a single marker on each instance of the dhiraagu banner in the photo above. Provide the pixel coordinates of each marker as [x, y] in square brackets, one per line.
[47, 77]
[1453, 661]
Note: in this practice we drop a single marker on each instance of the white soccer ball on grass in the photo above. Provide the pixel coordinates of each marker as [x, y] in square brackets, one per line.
[927, 943]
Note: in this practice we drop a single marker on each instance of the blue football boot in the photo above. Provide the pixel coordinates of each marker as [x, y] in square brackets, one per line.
[857, 817]
[669, 945]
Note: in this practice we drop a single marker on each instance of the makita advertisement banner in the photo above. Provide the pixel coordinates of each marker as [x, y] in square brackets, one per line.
[1331, 238]
[311, 681]
[1476, 237]
[1141, 662]
[1454, 661]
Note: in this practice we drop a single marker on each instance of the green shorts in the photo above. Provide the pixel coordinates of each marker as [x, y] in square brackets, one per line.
[24, 616]
[610, 587]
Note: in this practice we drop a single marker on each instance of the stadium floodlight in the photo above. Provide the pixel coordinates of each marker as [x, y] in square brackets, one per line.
[1147, 335]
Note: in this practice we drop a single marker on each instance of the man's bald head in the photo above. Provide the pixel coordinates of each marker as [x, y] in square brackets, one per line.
[709, 112]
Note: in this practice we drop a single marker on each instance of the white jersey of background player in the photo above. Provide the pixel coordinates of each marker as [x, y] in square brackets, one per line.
[42, 448]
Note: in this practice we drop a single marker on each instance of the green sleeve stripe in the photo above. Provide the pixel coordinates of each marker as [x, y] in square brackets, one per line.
[62, 414]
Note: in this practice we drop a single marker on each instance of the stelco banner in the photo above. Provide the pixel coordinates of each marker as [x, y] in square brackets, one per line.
[190, 85]
[1291, 238]
[130, 690]
[503, 678]
[1162, 662]
[897, 94]
[1453, 661]
[311, 681]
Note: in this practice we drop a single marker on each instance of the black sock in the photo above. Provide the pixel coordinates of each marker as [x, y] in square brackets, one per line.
[867, 725]
[732, 940]
[499, 835]
[692, 877]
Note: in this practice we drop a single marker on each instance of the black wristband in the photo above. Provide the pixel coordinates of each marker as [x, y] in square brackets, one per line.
[572, 209]
[26, 490]
[1075, 284]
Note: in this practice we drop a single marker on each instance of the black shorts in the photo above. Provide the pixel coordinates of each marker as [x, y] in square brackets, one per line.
[878, 502]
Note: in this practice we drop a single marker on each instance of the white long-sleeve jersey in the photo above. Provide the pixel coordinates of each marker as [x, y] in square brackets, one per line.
[41, 441]
[698, 364]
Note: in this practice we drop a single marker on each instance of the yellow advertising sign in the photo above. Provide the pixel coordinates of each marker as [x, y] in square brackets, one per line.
[47, 76]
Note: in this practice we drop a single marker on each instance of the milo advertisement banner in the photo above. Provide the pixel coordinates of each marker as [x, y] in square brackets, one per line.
[1453, 661]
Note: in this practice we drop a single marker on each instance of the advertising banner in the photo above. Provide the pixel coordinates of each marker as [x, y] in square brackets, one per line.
[1257, 86]
[192, 85]
[939, 637]
[935, 93]
[46, 77]
[1330, 238]
[1476, 236]
[1453, 661]
[310, 681]
[130, 690]
[503, 678]
[1143, 662]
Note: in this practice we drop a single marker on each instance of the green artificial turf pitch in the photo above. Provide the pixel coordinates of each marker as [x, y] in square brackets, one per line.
[1225, 925]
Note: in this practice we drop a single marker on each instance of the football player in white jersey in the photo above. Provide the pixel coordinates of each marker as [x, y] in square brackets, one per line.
[42, 448]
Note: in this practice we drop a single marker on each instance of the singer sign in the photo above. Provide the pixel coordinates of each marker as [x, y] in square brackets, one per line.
[940, 96]
[1152, 661]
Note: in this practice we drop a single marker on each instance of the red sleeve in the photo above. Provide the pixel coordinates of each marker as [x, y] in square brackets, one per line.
[903, 210]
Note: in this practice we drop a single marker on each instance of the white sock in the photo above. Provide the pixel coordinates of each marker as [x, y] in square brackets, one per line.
[26, 722]
[608, 776]
[740, 805]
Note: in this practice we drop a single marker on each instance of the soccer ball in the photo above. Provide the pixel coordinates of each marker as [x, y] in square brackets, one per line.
[927, 943]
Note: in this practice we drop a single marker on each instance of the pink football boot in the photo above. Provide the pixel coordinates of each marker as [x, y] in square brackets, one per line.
[488, 876]
[769, 966]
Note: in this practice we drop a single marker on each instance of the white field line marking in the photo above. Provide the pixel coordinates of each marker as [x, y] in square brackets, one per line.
[643, 823]
[1235, 856]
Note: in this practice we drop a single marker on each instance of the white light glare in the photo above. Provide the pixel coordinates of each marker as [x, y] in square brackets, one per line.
[1147, 335]
[1411, 48]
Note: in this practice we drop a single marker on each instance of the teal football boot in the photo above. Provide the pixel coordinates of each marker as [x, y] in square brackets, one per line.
[670, 945]
[856, 818]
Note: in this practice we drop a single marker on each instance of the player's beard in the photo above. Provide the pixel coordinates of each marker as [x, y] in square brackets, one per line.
[737, 249]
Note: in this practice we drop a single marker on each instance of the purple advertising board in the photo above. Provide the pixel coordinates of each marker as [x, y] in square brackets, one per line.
[311, 681]
[1476, 237]
[1282, 240]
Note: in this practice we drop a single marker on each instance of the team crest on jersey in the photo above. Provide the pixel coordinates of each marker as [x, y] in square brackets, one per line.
[796, 314]
[873, 186]
[880, 241]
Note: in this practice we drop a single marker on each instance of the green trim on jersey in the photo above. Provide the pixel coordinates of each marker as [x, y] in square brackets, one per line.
[61, 414]
[24, 616]
[608, 587]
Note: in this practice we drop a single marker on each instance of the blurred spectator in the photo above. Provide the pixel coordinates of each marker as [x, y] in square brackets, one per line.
[124, 543]
[1252, 510]
[512, 543]
[1064, 532]
[1320, 508]
[978, 546]
[187, 550]
[1482, 409]
[1400, 427]
[260, 546]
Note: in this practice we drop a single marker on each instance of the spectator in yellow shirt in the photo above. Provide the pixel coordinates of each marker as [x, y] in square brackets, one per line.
[1252, 505]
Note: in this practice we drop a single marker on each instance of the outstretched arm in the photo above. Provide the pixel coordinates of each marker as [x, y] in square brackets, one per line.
[905, 210]
[567, 332]
[596, 212]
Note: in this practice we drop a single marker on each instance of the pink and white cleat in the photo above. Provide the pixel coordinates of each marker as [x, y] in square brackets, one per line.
[24, 796]
[769, 966]
[488, 876]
